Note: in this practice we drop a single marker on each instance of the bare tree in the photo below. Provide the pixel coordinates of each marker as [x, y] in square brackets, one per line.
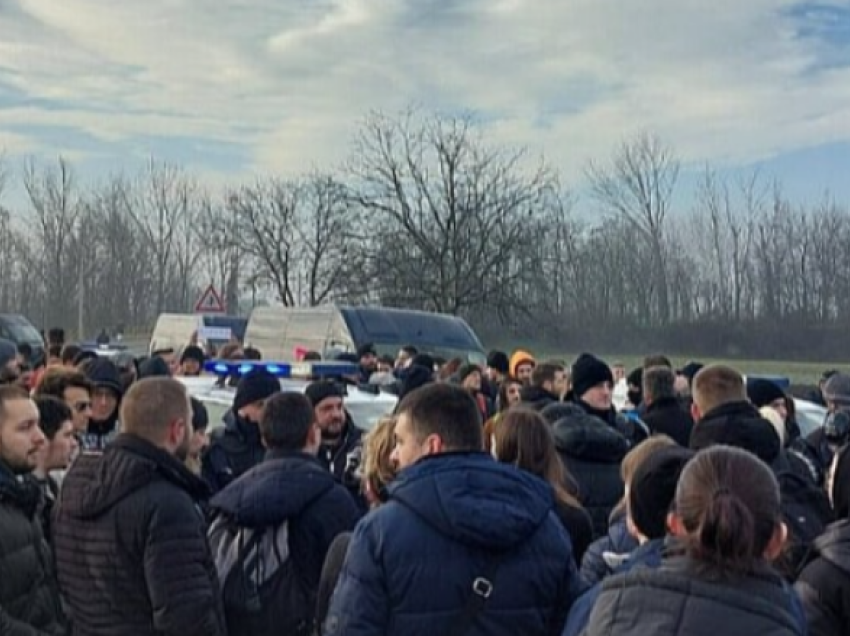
[638, 187]
[448, 210]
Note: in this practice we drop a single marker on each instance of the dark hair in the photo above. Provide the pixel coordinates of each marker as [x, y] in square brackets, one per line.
[25, 349]
[312, 356]
[286, 421]
[445, 410]
[52, 414]
[54, 351]
[523, 438]
[56, 336]
[657, 360]
[545, 372]
[728, 502]
[503, 392]
[57, 380]
[410, 350]
[659, 383]
[252, 353]
[69, 353]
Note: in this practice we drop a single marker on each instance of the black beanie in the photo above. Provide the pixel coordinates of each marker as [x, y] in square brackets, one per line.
[322, 390]
[841, 484]
[499, 361]
[588, 371]
[652, 489]
[200, 415]
[423, 360]
[467, 370]
[256, 385]
[763, 392]
[192, 353]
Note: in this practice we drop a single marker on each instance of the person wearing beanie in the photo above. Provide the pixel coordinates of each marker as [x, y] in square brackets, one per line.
[200, 440]
[593, 390]
[192, 361]
[521, 366]
[154, 367]
[470, 378]
[649, 498]
[237, 447]
[107, 392]
[498, 367]
[341, 442]
[766, 393]
[824, 584]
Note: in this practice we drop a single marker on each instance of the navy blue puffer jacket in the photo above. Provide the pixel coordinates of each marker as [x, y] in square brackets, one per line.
[411, 562]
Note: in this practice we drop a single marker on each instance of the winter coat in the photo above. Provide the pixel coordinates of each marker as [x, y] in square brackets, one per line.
[824, 584]
[592, 451]
[675, 599]
[29, 595]
[579, 525]
[630, 427]
[234, 449]
[412, 562]
[667, 417]
[605, 554]
[537, 398]
[131, 547]
[645, 556]
[292, 487]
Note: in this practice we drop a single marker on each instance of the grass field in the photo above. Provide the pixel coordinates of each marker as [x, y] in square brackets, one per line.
[800, 373]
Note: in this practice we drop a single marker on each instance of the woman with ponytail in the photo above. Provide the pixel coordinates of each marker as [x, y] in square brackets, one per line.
[727, 525]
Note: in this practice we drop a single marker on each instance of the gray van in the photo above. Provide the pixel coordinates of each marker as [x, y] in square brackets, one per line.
[280, 332]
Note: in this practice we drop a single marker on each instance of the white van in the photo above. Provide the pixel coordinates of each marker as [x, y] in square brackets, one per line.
[175, 331]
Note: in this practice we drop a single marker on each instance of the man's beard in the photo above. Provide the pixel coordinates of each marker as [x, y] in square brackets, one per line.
[333, 434]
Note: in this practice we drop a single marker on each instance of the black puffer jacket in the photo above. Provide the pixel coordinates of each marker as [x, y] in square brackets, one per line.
[824, 585]
[29, 596]
[537, 398]
[674, 600]
[234, 449]
[633, 429]
[668, 417]
[131, 547]
[592, 451]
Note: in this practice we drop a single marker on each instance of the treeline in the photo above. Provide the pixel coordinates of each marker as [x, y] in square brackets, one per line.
[425, 213]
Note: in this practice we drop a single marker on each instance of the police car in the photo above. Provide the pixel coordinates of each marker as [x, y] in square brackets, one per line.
[365, 406]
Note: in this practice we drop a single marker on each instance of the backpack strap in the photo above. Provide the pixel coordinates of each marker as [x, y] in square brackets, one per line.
[482, 589]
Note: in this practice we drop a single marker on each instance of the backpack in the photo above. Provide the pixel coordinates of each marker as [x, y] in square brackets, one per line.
[261, 590]
[806, 512]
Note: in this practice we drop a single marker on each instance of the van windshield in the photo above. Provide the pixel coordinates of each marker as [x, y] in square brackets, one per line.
[22, 331]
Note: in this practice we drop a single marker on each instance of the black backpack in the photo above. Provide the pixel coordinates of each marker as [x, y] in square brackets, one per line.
[262, 592]
[806, 512]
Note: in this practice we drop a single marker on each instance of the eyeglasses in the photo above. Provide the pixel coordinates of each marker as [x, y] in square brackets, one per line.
[81, 407]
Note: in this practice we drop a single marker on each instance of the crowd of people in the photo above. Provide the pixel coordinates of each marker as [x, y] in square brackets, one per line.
[511, 498]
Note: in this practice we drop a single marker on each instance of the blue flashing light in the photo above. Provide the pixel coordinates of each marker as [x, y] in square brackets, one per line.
[238, 368]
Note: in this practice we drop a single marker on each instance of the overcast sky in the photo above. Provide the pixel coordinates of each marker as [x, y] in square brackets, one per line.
[235, 87]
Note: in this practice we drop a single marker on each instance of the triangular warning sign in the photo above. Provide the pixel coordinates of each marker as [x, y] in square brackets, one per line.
[210, 302]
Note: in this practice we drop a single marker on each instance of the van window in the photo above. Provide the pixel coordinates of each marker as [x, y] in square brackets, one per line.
[19, 330]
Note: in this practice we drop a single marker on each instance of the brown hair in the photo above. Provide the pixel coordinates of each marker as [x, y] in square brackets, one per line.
[378, 469]
[523, 438]
[728, 502]
[446, 410]
[657, 360]
[659, 383]
[545, 372]
[9, 393]
[634, 458]
[716, 385]
[503, 393]
[57, 380]
[151, 405]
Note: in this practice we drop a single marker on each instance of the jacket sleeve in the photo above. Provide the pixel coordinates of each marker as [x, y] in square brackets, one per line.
[815, 587]
[360, 604]
[179, 572]
[593, 566]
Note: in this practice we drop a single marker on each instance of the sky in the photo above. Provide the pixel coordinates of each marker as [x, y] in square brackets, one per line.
[231, 89]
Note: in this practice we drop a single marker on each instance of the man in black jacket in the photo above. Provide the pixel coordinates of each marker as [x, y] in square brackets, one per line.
[130, 539]
[664, 413]
[29, 596]
[341, 440]
[289, 486]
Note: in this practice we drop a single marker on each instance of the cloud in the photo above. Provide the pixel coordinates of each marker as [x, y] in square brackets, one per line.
[257, 85]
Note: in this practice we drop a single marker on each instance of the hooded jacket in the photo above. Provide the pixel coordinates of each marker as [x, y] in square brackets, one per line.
[675, 599]
[102, 372]
[824, 584]
[592, 451]
[292, 487]
[131, 548]
[29, 595]
[412, 562]
[234, 449]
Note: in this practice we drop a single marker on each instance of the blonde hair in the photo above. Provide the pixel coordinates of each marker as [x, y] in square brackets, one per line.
[378, 467]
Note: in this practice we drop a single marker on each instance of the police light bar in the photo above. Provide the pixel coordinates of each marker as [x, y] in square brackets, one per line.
[238, 368]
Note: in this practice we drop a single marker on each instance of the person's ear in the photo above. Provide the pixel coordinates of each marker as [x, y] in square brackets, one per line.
[695, 412]
[777, 542]
[434, 444]
[675, 526]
